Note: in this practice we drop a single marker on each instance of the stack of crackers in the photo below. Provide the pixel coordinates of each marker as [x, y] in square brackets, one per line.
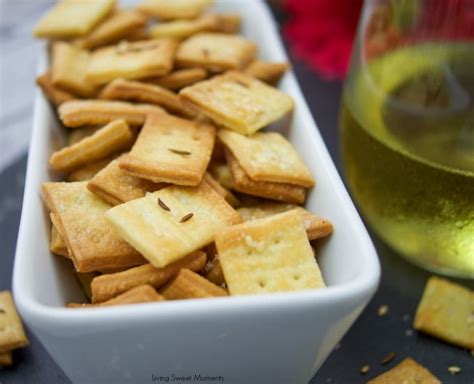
[175, 187]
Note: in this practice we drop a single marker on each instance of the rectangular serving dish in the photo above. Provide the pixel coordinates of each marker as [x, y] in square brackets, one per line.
[279, 338]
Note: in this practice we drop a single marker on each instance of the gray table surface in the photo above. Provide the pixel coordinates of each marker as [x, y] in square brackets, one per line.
[369, 339]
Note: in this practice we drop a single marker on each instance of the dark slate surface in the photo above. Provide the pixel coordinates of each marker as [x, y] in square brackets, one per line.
[369, 340]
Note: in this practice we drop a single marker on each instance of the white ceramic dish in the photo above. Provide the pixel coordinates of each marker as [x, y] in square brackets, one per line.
[280, 338]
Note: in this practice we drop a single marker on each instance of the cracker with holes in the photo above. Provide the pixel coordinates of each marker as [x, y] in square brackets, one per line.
[316, 227]
[180, 78]
[69, 18]
[241, 182]
[181, 29]
[172, 222]
[446, 311]
[216, 52]
[267, 156]
[77, 113]
[268, 255]
[92, 242]
[171, 150]
[176, 9]
[114, 137]
[131, 60]
[117, 187]
[238, 102]
[57, 244]
[129, 90]
[266, 71]
[53, 94]
[189, 285]
[118, 26]
[68, 69]
[408, 371]
[12, 334]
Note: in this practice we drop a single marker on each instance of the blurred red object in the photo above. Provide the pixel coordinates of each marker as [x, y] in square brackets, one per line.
[320, 32]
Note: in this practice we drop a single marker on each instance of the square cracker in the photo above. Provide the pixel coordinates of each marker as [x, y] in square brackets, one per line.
[114, 137]
[181, 29]
[171, 150]
[180, 78]
[165, 235]
[71, 18]
[446, 311]
[316, 227]
[175, 9]
[133, 60]
[118, 26]
[68, 69]
[216, 52]
[275, 191]
[92, 242]
[268, 255]
[12, 334]
[117, 187]
[267, 156]
[77, 113]
[53, 94]
[120, 89]
[238, 102]
[408, 371]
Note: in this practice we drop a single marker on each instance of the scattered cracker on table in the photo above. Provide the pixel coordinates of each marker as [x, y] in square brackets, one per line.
[171, 150]
[267, 156]
[119, 25]
[71, 18]
[77, 113]
[446, 311]
[92, 242]
[107, 286]
[114, 137]
[117, 187]
[189, 285]
[216, 52]
[120, 89]
[176, 9]
[68, 69]
[12, 334]
[316, 227]
[275, 191]
[238, 102]
[184, 222]
[131, 60]
[268, 255]
[408, 371]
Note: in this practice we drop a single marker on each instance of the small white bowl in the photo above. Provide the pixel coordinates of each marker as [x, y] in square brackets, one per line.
[279, 338]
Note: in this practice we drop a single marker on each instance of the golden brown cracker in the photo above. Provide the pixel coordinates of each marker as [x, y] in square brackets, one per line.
[140, 294]
[172, 222]
[238, 102]
[77, 113]
[176, 9]
[12, 334]
[266, 71]
[180, 78]
[116, 27]
[131, 60]
[221, 173]
[110, 285]
[216, 274]
[408, 371]
[53, 94]
[268, 156]
[255, 256]
[216, 52]
[71, 18]
[93, 244]
[128, 90]
[190, 285]
[181, 29]
[229, 22]
[77, 135]
[275, 191]
[446, 311]
[6, 359]
[85, 280]
[57, 244]
[117, 187]
[88, 171]
[171, 150]
[225, 193]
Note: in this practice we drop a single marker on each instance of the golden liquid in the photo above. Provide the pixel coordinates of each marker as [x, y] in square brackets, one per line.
[407, 128]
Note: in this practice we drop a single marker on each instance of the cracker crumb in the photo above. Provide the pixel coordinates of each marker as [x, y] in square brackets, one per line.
[365, 369]
[454, 369]
[387, 359]
[383, 310]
